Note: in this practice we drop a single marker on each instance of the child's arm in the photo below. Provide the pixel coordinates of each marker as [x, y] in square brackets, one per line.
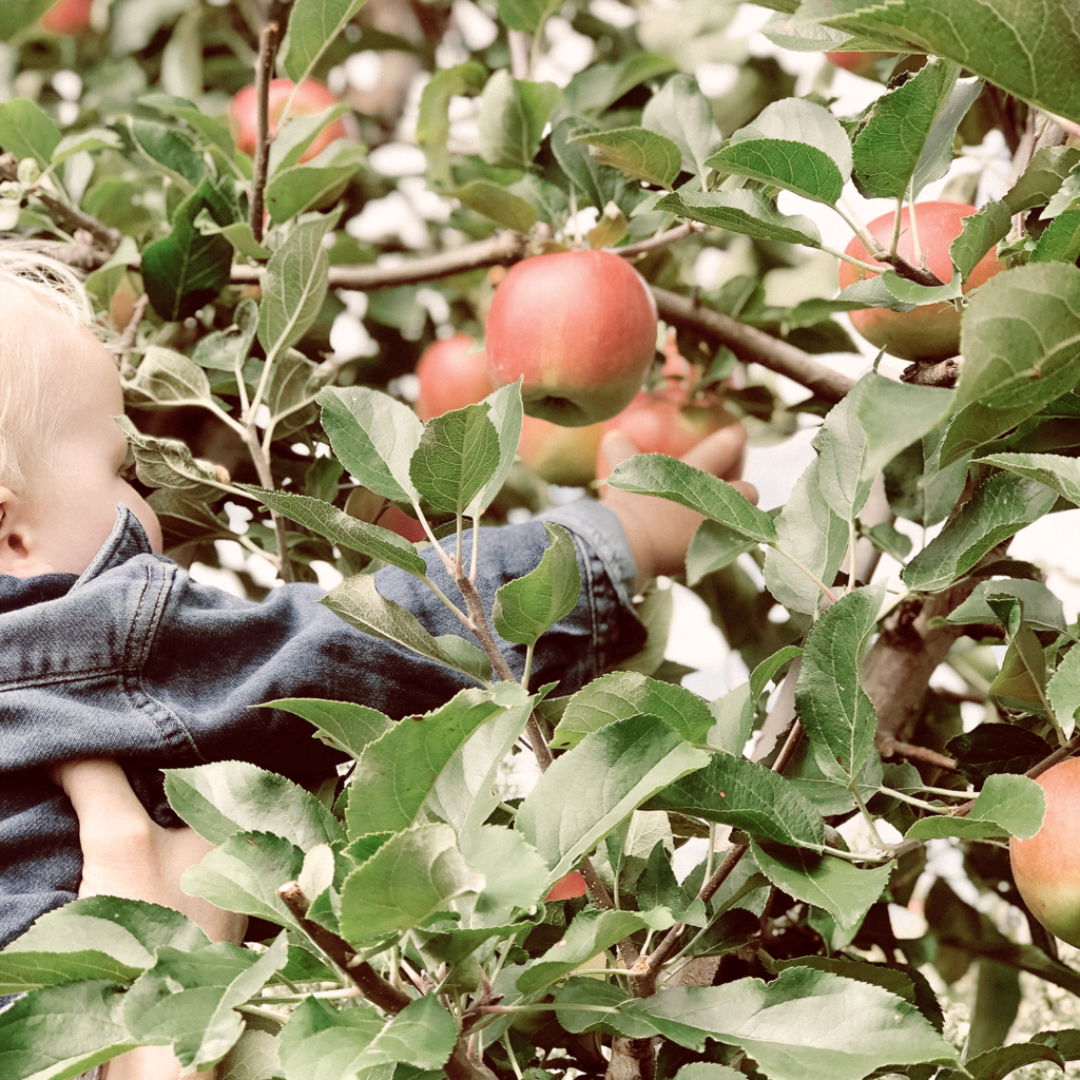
[127, 854]
[658, 531]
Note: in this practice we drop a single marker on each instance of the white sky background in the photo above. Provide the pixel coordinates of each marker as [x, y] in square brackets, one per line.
[417, 216]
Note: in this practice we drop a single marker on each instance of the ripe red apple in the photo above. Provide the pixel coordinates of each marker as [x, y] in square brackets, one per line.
[452, 373]
[579, 327]
[860, 63]
[568, 886]
[560, 455]
[67, 17]
[666, 422]
[311, 98]
[1046, 867]
[930, 332]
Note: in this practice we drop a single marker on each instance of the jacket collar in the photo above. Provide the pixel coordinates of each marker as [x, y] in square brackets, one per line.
[126, 540]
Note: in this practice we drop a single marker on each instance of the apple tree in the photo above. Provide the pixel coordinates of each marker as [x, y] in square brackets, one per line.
[685, 888]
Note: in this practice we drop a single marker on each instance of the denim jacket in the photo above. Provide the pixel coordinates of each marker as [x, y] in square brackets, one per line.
[136, 661]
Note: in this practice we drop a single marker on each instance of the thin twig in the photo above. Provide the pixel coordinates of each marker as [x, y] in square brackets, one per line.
[672, 236]
[266, 478]
[125, 343]
[264, 70]
[889, 747]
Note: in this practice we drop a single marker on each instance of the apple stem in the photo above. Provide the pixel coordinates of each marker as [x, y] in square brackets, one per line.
[264, 70]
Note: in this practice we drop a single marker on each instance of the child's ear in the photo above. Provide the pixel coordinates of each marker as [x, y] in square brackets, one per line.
[16, 546]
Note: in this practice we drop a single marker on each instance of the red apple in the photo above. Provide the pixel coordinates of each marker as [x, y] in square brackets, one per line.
[932, 331]
[860, 63]
[311, 98]
[567, 887]
[452, 373]
[560, 455]
[579, 327]
[68, 17]
[1046, 867]
[666, 422]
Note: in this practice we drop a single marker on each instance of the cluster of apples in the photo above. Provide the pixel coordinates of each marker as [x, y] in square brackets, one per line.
[579, 329]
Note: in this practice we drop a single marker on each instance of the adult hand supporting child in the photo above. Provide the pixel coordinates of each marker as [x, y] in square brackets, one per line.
[659, 532]
[126, 853]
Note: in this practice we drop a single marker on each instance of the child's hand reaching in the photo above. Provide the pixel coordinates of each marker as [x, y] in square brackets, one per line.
[659, 532]
[126, 853]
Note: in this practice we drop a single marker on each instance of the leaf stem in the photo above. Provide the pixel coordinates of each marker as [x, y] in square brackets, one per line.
[806, 570]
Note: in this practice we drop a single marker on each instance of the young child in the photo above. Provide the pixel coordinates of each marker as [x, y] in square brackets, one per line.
[109, 650]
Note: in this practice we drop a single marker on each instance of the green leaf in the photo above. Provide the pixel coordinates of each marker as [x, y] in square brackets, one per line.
[747, 796]
[1027, 49]
[638, 152]
[505, 412]
[185, 270]
[238, 233]
[414, 875]
[591, 91]
[397, 771]
[16, 15]
[743, 211]
[624, 694]
[214, 133]
[357, 600]
[809, 530]
[592, 932]
[27, 132]
[1006, 806]
[525, 15]
[1060, 242]
[1043, 177]
[168, 463]
[97, 937]
[981, 232]
[682, 113]
[170, 149]
[764, 673]
[568, 813]
[529, 606]
[169, 378]
[225, 797]
[321, 1040]
[1063, 691]
[515, 876]
[803, 1025]
[495, 202]
[85, 142]
[189, 999]
[457, 455]
[313, 27]
[374, 437]
[226, 350]
[61, 1031]
[244, 873]
[1042, 609]
[315, 185]
[1000, 508]
[907, 138]
[513, 113]
[347, 724]
[433, 122]
[836, 712]
[825, 881]
[467, 789]
[793, 144]
[713, 547]
[294, 286]
[1003, 1061]
[341, 529]
[669, 478]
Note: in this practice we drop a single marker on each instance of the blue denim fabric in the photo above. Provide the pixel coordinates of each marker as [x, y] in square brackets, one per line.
[136, 661]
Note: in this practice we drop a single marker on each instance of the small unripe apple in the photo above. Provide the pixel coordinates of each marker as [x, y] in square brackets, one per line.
[312, 97]
[1046, 867]
[453, 373]
[932, 331]
[579, 327]
[560, 455]
[67, 17]
[859, 63]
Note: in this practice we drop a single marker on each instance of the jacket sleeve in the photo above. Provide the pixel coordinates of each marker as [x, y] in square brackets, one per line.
[215, 657]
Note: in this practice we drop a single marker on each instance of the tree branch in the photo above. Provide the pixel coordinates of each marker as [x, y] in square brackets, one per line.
[264, 71]
[754, 346]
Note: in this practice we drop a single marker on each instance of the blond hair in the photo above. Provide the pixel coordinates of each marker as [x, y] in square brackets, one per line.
[32, 279]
